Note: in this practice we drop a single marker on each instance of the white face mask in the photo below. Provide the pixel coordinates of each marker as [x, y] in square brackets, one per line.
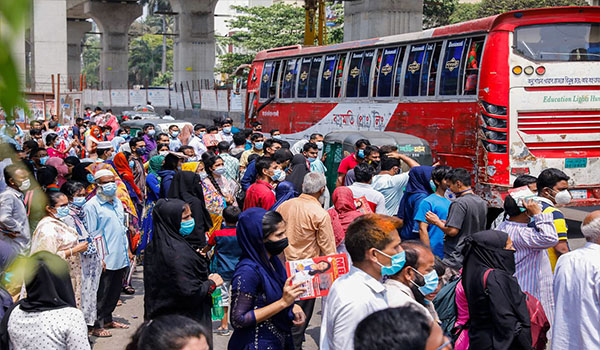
[563, 197]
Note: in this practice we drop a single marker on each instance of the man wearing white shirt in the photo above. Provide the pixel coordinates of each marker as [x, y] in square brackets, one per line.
[362, 188]
[196, 141]
[226, 132]
[391, 181]
[577, 292]
[373, 243]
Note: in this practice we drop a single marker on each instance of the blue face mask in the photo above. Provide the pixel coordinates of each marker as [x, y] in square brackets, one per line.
[361, 153]
[90, 178]
[277, 137]
[187, 227]
[227, 130]
[132, 164]
[277, 174]
[78, 201]
[109, 189]
[311, 159]
[259, 145]
[62, 212]
[398, 261]
[43, 160]
[431, 282]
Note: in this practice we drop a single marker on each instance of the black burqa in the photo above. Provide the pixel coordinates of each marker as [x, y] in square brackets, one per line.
[499, 318]
[48, 288]
[175, 275]
[299, 170]
[187, 187]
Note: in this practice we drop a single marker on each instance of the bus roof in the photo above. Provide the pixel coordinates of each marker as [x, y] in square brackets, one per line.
[504, 21]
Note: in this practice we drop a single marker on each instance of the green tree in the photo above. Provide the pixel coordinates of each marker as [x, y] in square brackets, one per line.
[91, 60]
[145, 58]
[335, 33]
[464, 12]
[437, 12]
[13, 15]
[494, 7]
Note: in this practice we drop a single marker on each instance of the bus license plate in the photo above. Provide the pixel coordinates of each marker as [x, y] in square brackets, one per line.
[571, 163]
[578, 194]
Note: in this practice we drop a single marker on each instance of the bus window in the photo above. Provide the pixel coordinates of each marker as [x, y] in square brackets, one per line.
[265, 81]
[288, 79]
[354, 74]
[339, 75]
[328, 75]
[303, 78]
[385, 72]
[313, 76]
[451, 67]
[472, 67]
[365, 74]
[430, 63]
[413, 70]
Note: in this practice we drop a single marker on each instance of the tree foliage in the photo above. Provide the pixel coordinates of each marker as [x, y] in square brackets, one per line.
[437, 12]
[466, 11]
[91, 60]
[145, 58]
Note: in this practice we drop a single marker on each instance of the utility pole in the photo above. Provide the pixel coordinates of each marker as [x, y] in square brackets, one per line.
[314, 24]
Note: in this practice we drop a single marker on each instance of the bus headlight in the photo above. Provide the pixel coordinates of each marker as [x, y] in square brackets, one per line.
[494, 147]
[494, 109]
[494, 135]
[494, 122]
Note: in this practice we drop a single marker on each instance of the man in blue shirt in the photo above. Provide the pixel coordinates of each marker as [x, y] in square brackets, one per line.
[438, 204]
[104, 215]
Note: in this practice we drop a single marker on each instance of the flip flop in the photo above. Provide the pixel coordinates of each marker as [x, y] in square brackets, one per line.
[101, 333]
[114, 324]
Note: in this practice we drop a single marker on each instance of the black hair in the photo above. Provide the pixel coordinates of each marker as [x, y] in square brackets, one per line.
[524, 180]
[511, 208]
[183, 148]
[439, 173]
[314, 136]
[9, 172]
[50, 138]
[101, 151]
[263, 163]
[107, 127]
[35, 152]
[385, 149]
[46, 175]
[52, 124]
[252, 157]
[211, 129]
[147, 125]
[256, 136]
[270, 142]
[362, 142]
[97, 109]
[167, 332]
[32, 145]
[255, 124]
[364, 172]
[371, 149]
[161, 145]
[315, 272]
[270, 222]
[72, 160]
[283, 155]
[159, 135]
[439, 266]
[35, 131]
[413, 328]
[80, 173]
[223, 146]
[79, 119]
[285, 144]
[387, 163]
[199, 126]
[308, 146]
[231, 214]
[171, 162]
[33, 122]
[167, 112]
[134, 141]
[209, 159]
[239, 139]
[53, 197]
[173, 126]
[71, 187]
[274, 131]
[549, 178]
[459, 174]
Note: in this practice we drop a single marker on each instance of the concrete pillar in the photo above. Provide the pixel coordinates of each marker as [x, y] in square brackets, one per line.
[113, 21]
[76, 30]
[49, 43]
[364, 19]
[194, 47]
[18, 47]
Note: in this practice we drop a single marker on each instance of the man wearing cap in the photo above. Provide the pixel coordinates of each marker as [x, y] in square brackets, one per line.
[104, 216]
[104, 151]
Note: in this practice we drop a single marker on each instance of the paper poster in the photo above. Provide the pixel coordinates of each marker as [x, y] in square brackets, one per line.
[236, 102]
[317, 274]
[180, 100]
[100, 100]
[209, 100]
[223, 100]
[137, 98]
[36, 108]
[119, 98]
[159, 97]
[196, 99]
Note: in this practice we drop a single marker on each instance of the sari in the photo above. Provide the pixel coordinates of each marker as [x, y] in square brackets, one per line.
[152, 189]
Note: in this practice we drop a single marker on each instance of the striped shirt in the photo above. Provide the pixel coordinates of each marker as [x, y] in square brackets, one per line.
[533, 270]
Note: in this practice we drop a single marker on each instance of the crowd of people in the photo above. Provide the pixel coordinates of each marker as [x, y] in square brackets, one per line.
[218, 210]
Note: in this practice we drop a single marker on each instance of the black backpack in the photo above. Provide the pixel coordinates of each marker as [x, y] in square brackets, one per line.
[445, 306]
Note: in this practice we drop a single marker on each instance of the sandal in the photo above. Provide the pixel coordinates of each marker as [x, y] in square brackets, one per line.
[115, 324]
[101, 333]
[223, 331]
[128, 290]
[120, 302]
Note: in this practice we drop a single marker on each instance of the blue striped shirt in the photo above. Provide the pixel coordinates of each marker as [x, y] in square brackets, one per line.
[533, 270]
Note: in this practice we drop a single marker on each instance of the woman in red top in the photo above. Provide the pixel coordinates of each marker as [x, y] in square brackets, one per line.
[343, 213]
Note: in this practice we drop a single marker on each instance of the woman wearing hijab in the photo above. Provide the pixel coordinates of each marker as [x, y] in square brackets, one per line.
[116, 142]
[170, 167]
[176, 279]
[91, 262]
[48, 317]
[61, 169]
[122, 165]
[283, 192]
[187, 187]
[92, 140]
[497, 307]
[262, 303]
[58, 238]
[299, 168]
[343, 213]
[418, 188]
[152, 195]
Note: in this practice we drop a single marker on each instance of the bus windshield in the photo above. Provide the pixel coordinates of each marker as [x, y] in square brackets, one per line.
[559, 42]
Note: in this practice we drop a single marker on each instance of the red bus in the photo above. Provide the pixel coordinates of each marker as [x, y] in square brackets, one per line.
[501, 96]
